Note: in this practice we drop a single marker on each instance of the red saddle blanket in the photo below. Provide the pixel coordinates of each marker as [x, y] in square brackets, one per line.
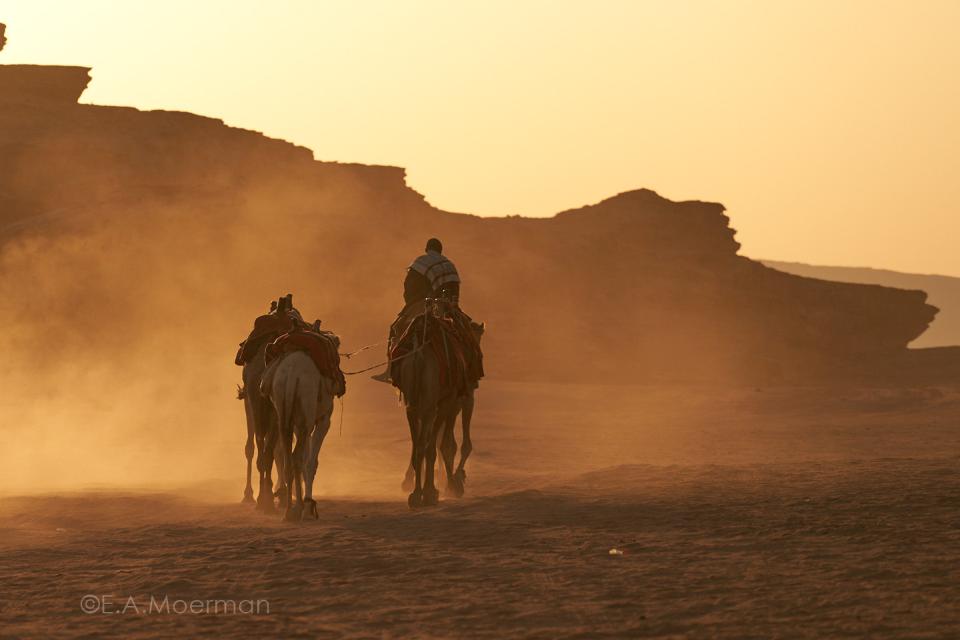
[446, 343]
[322, 349]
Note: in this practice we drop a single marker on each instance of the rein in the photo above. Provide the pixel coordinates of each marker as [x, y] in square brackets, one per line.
[390, 361]
[361, 350]
[423, 343]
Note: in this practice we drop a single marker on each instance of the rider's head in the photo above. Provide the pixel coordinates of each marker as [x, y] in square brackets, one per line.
[433, 244]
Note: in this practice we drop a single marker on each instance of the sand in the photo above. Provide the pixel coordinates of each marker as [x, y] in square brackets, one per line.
[739, 513]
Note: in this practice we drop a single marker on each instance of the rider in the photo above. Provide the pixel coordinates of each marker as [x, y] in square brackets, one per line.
[432, 275]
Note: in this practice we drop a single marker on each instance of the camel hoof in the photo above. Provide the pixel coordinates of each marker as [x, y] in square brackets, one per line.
[310, 510]
[265, 505]
[294, 513]
[248, 497]
[454, 488]
[431, 497]
[415, 499]
[283, 500]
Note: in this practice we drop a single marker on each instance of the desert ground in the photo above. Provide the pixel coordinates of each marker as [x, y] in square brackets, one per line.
[740, 513]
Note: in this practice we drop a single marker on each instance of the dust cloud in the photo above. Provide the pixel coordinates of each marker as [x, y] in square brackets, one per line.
[119, 330]
[137, 248]
[120, 324]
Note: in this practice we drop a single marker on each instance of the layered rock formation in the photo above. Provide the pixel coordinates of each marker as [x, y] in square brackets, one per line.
[123, 228]
[943, 291]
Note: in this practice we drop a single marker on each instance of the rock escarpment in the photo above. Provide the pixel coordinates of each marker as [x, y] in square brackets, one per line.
[121, 228]
[943, 291]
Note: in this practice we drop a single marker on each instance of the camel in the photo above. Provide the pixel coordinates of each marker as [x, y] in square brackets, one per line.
[262, 430]
[455, 478]
[423, 397]
[303, 402]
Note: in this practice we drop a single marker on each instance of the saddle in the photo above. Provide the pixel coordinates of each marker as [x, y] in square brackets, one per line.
[321, 346]
[265, 328]
[444, 329]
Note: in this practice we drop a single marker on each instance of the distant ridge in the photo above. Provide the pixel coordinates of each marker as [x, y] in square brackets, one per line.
[942, 291]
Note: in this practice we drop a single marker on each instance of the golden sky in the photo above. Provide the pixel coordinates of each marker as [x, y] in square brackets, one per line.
[829, 129]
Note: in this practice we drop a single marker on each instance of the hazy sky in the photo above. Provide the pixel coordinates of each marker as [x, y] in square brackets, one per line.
[829, 129]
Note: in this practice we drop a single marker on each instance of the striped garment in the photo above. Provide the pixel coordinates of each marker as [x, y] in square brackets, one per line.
[436, 268]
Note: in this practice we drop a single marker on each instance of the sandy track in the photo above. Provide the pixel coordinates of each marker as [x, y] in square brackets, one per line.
[797, 550]
[828, 515]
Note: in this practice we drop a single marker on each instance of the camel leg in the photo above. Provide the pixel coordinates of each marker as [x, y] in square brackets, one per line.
[428, 445]
[467, 446]
[259, 440]
[295, 511]
[415, 498]
[447, 445]
[408, 479]
[295, 474]
[248, 452]
[313, 461]
[280, 490]
[266, 441]
[448, 449]
[251, 411]
[293, 469]
[438, 475]
[288, 470]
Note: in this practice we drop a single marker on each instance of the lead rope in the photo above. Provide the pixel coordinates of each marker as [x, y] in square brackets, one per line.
[380, 364]
[361, 350]
[341, 416]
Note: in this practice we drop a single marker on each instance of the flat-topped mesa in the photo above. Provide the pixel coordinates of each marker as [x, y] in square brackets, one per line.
[51, 139]
[655, 225]
[40, 85]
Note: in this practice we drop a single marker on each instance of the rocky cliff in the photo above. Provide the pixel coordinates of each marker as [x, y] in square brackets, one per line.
[126, 231]
[943, 291]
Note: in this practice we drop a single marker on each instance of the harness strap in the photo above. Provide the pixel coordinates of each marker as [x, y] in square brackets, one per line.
[390, 361]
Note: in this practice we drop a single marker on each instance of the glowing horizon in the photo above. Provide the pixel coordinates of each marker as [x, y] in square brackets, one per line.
[828, 131]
